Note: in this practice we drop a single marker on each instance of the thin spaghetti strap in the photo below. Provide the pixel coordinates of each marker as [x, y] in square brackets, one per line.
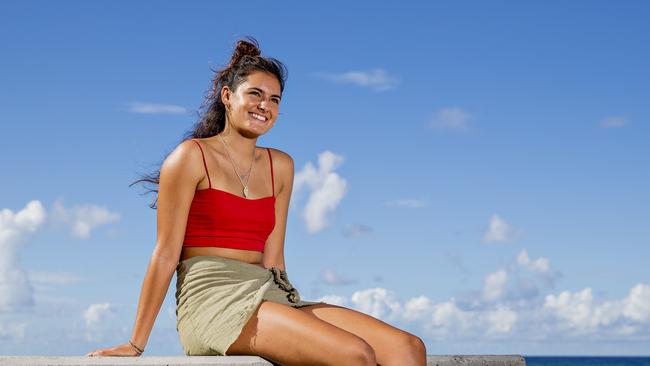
[204, 164]
[271, 163]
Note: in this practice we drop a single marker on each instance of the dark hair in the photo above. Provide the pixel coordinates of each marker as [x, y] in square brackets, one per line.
[245, 60]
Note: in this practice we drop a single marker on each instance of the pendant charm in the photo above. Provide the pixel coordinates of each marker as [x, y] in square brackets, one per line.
[245, 191]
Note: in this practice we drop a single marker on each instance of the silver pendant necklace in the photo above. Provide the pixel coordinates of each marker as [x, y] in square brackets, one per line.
[234, 165]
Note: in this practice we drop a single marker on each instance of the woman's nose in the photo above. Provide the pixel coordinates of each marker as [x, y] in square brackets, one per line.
[262, 105]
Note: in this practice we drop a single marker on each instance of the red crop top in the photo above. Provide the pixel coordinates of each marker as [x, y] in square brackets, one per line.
[221, 219]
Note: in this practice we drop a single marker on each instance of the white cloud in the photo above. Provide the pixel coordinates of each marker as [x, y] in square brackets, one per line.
[377, 302]
[636, 305]
[156, 108]
[580, 313]
[613, 122]
[53, 278]
[97, 318]
[83, 218]
[499, 231]
[501, 320]
[376, 79]
[539, 264]
[17, 286]
[451, 118]
[96, 314]
[494, 285]
[567, 315]
[448, 315]
[334, 300]
[521, 281]
[16, 291]
[332, 278]
[577, 310]
[406, 203]
[326, 187]
[357, 230]
[417, 308]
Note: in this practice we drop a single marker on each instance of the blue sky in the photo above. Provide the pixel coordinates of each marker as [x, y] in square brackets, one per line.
[476, 173]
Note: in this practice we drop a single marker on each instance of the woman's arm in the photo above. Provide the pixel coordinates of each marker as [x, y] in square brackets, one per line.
[179, 176]
[274, 247]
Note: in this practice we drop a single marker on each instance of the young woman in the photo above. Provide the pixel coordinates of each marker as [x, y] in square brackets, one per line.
[221, 214]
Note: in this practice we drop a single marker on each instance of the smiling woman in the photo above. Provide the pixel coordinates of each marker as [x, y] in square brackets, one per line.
[222, 230]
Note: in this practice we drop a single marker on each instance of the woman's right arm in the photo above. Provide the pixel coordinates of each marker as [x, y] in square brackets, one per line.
[180, 173]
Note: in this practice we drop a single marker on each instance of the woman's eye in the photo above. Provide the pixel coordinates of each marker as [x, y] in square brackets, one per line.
[277, 101]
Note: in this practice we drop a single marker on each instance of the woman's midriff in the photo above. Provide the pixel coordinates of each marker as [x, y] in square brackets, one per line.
[247, 256]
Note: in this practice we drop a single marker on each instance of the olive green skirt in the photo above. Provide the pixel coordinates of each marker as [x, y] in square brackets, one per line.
[216, 296]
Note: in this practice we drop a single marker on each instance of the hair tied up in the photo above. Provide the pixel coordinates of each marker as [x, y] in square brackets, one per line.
[245, 60]
[247, 47]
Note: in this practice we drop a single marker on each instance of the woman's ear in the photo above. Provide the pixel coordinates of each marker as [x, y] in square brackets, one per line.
[225, 96]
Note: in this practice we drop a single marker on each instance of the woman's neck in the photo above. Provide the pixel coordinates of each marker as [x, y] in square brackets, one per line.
[239, 145]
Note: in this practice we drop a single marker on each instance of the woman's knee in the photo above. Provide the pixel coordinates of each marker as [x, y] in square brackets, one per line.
[417, 346]
[361, 353]
[411, 350]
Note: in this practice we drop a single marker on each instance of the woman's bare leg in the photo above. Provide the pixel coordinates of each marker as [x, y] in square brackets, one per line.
[392, 346]
[288, 336]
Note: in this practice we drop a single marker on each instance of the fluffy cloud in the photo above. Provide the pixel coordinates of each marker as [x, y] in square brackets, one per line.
[417, 308]
[451, 118]
[330, 277]
[613, 122]
[499, 231]
[494, 285]
[377, 302]
[156, 108]
[376, 79]
[54, 278]
[520, 281]
[636, 305]
[445, 319]
[516, 302]
[326, 187]
[17, 286]
[96, 314]
[97, 318]
[335, 300]
[500, 320]
[539, 264]
[573, 315]
[15, 289]
[580, 313]
[82, 218]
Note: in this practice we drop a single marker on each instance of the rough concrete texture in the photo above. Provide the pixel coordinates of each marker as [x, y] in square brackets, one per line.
[478, 360]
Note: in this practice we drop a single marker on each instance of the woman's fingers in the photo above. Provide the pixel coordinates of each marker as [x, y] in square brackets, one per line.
[121, 350]
[99, 352]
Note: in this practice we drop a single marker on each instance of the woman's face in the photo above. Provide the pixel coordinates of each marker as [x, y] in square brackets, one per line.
[254, 106]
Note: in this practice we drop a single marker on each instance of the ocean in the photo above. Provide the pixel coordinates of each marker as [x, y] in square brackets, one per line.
[586, 361]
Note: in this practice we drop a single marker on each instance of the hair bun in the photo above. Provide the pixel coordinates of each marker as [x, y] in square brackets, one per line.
[247, 47]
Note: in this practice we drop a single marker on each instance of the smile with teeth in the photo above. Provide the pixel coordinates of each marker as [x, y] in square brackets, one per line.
[258, 117]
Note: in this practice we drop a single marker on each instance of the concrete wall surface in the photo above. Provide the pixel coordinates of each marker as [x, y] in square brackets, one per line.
[457, 360]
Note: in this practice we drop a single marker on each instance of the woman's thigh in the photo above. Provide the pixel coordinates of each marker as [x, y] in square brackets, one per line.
[288, 336]
[392, 346]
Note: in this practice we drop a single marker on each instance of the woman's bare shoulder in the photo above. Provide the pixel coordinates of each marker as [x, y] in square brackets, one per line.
[184, 163]
[281, 159]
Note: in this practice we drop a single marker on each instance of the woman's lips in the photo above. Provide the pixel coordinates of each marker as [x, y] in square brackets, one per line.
[258, 117]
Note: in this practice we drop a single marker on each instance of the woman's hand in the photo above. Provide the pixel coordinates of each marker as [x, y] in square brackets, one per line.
[121, 350]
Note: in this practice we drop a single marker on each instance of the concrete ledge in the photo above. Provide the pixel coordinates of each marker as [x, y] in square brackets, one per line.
[474, 360]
